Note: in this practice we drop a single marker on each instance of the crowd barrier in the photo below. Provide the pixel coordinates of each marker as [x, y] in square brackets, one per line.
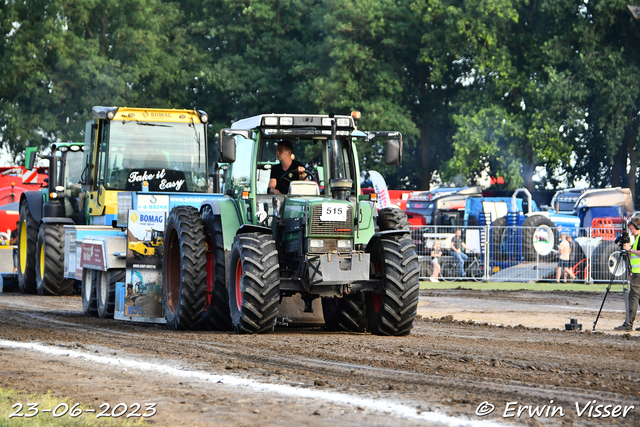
[520, 254]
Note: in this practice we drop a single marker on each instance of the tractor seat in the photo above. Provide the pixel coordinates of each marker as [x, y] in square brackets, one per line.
[304, 188]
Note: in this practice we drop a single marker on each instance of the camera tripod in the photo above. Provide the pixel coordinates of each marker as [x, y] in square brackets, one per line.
[623, 258]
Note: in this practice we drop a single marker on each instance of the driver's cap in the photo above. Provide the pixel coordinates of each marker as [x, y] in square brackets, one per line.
[635, 220]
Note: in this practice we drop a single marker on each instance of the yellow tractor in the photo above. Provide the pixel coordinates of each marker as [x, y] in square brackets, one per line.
[152, 245]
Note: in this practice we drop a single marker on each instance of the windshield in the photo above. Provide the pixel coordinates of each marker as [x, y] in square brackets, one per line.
[423, 209]
[312, 153]
[169, 156]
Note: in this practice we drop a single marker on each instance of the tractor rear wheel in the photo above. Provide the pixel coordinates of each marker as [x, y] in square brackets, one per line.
[254, 283]
[50, 278]
[106, 291]
[184, 275]
[89, 299]
[498, 232]
[27, 249]
[392, 219]
[216, 308]
[345, 314]
[393, 311]
[538, 227]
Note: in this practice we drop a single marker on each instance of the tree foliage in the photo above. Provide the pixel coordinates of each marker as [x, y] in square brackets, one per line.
[477, 87]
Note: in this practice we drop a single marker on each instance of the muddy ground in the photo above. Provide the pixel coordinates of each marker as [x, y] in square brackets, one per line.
[507, 349]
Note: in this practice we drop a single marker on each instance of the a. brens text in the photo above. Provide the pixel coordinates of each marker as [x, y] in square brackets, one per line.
[589, 409]
[136, 176]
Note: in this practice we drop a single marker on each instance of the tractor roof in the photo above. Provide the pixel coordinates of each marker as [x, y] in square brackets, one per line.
[292, 121]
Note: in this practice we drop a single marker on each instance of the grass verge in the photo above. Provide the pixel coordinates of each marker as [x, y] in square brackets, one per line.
[516, 286]
[10, 398]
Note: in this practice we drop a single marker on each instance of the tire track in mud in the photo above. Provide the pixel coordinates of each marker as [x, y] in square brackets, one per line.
[449, 366]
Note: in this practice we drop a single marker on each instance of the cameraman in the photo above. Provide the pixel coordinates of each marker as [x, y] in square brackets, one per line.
[634, 260]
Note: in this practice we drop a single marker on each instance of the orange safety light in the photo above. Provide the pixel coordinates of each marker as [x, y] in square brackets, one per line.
[355, 115]
[245, 195]
[373, 197]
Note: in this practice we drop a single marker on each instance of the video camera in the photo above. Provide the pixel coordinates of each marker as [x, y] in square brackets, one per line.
[623, 238]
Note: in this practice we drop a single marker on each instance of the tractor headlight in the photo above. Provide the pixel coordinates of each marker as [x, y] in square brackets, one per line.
[316, 243]
[286, 121]
[344, 244]
[343, 122]
[326, 121]
[271, 121]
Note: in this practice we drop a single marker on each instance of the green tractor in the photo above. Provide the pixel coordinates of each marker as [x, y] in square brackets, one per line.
[43, 215]
[322, 240]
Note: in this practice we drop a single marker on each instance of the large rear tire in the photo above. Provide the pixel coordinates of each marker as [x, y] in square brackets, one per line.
[393, 311]
[254, 283]
[89, 299]
[346, 314]
[27, 249]
[392, 219]
[184, 275]
[498, 231]
[50, 278]
[216, 308]
[532, 227]
[106, 291]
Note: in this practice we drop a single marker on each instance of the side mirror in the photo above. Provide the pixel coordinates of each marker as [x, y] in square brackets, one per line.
[228, 143]
[32, 161]
[227, 148]
[30, 157]
[393, 154]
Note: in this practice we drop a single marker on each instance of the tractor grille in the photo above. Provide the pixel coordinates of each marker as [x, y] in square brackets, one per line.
[330, 228]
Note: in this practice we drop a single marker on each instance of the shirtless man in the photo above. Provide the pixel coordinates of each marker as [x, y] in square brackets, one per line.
[564, 263]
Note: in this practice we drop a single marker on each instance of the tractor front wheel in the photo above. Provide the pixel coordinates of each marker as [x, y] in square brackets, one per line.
[106, 291]
[184, 275]
[27, 249]
[50, 278]
[346, 314]
[392, 311]
[89, 299]
[254, 283]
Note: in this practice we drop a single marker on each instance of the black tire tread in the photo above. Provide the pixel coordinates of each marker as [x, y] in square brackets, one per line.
[393, 219]
[529, 226]
[106, 308]
[260, 283]
[400, 276]
[52, 281]
[216, 316]
[346, 314]
[189, 311]
[90, 307]
[27, 281]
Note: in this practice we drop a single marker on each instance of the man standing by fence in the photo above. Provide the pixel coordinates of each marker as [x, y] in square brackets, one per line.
[564, 263]
[456, 248]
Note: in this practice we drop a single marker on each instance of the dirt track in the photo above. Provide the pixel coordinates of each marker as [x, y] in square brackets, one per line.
[445, 368]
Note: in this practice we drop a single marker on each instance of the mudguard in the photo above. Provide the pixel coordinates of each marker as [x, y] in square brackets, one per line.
[228, 211]
[382, 234]
[54, 220]
[250, 228]
[35, 201]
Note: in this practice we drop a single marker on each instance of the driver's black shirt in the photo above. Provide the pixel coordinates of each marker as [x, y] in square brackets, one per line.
[282, 182]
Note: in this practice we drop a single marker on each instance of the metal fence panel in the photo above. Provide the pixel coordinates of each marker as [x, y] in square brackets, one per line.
[519, 254]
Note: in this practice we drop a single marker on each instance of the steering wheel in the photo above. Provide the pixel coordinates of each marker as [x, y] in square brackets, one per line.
[309, 177]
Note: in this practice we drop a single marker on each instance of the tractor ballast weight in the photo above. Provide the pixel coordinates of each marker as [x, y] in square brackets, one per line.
[319, 242]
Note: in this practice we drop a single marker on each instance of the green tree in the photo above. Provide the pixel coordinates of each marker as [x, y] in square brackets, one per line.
[511, 122]
[598, 65]
[65, 56]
